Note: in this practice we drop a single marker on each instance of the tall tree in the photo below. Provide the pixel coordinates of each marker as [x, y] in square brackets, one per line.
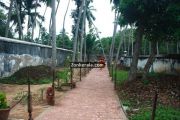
[82, 31]
[64, 20]
[3, 24]
[53, 34]
[116, 13]
[77, 15]
[111, 55]
[148, 16]
[75, 45]
[9, 17]
[67, 41]
[19, 21]
[119, 47]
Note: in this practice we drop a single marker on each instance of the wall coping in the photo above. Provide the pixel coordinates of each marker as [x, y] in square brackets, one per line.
[30, 43]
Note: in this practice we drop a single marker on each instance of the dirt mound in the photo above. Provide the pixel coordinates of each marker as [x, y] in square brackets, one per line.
[34, 72]
[37, 74]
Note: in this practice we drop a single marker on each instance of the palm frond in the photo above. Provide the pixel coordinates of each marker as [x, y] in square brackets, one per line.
[3, 5]
[33, 14]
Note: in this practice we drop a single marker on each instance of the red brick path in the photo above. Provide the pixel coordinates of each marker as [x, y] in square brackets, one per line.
[93, 99]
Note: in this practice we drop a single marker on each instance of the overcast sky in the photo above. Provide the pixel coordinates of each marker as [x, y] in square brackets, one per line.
[104, 16]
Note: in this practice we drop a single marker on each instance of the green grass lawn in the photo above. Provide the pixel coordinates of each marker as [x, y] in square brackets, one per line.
[162, 113]
[121, 76]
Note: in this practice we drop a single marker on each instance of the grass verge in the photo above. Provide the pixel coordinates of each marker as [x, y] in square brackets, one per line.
[137, 96]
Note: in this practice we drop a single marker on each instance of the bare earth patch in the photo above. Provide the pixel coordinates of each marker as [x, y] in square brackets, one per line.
[15, 92]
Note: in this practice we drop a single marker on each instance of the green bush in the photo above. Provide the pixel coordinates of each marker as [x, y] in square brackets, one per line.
[162, 113]
[63, 75]
[3, 101]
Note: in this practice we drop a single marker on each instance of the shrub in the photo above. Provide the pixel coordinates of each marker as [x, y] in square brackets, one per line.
[3, 101]
[63, 75]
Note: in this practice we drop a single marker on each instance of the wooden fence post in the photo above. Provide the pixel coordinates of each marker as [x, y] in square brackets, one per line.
[154, 106]
[80, 74]
[112, 72]
[115, 80]
[29, 98]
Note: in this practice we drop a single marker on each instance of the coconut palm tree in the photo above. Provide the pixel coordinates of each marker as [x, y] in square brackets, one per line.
[77, 23]
[50, 24]
[18, 11]
[9, 17]
[78, 14]
[82, 30]
[117, 14]
[53, 13]
[19, 20]
[12, 9]
[29, 6]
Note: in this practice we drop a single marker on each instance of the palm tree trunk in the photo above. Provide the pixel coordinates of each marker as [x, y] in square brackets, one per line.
[119, 47]
[50, 31]
[63, 32]
[19, 21]
[34, 22]
[76, 33]
[57, 6]
[133, 68]
[9, 18]
[28, 25]
[55, 13]
[82, 33]
[85, 55]
[113, 38]
[78, 45]
[53, 35]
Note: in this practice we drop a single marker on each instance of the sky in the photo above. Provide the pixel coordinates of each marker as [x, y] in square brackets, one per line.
[104, 17]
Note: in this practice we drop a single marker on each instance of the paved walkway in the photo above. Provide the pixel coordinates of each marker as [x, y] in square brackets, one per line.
[93, 99]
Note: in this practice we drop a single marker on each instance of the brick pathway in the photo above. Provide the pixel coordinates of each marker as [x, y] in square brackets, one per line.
[93, 99]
